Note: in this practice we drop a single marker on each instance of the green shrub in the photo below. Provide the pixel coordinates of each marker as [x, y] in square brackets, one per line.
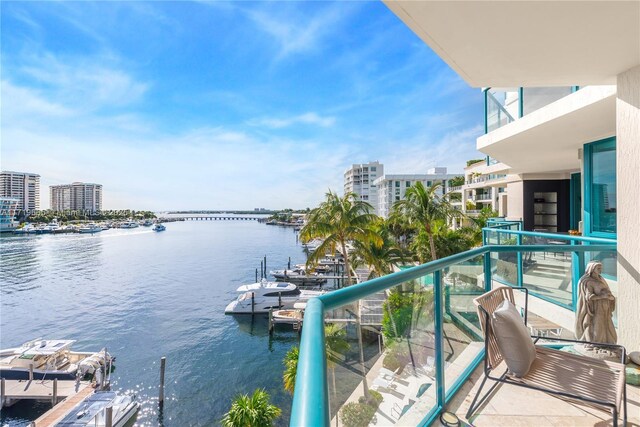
[361, 413]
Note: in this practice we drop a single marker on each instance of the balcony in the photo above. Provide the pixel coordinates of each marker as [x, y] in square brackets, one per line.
[548, 138]
[505, 105]
[431, 343]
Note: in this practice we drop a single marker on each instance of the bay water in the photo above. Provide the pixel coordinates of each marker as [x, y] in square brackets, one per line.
[144, 295]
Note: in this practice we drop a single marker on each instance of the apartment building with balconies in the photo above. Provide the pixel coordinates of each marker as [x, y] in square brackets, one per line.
[22, 186]
[561, 87]
[359, 179]
[78, 196]
[392, 187]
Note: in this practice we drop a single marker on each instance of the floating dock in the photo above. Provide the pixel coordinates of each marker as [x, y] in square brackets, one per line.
[53, 390]
[58, 412]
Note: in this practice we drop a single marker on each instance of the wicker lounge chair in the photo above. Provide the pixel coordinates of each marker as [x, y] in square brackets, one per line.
[576, 377]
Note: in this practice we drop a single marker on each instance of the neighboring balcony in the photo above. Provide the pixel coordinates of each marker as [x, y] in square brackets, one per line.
[505, 105]
[431, 344]
[546, 135]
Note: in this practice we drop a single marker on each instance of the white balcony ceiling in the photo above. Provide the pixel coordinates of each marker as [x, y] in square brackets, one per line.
[548, 140]
[529, 43]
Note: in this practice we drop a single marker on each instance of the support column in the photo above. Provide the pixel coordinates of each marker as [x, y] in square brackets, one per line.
[628, 206]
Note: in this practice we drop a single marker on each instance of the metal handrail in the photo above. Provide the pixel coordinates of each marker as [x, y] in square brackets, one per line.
[311, 398]
[554, 236]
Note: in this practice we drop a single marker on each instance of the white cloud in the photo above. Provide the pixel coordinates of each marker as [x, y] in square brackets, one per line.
[310, 118]
[295, 32]
[90, 82]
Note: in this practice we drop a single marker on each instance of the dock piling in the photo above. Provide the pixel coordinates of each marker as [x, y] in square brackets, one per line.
[261, 269]
[54, 399]
[265, 266]
[30, 371]
[3, 392]
[108, 416]
[162, 367]
[289, 264]
[253, 302]
[279, 299]
[271, 321]
[256, 275]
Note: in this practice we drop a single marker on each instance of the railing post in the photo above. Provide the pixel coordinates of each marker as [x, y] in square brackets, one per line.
[439, 347]
[520, 271]
[487, 271]
[486, 112]
[520, 101]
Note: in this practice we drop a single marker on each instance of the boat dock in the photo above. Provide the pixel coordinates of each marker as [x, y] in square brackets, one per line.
[56, 413]
[53, 390]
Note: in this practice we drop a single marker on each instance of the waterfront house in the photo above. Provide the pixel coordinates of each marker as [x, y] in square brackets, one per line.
[561, 85]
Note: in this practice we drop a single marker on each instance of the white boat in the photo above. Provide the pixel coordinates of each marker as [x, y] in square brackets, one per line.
[28, 228]
[52, 227]
[92, 410]
[312, 245]
[129, 224]
[299, 275]
[159, 227]
[50, 359]
[90, 228]
[264, 296]
[147, 223]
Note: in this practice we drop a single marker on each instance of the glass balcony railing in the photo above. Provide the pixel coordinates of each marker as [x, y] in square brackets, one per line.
[394, 350]
[504, 105]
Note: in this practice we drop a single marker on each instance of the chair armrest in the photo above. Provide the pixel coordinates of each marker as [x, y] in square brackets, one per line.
[622, 349]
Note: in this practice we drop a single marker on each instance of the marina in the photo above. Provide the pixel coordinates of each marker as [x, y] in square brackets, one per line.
[116, 289]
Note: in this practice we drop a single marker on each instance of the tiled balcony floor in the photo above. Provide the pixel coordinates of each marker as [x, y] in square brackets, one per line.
[512, 406]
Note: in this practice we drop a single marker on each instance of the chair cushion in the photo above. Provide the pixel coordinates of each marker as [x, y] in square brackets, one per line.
[513, 339]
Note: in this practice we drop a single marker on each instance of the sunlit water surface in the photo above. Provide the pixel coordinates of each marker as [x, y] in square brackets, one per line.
[145, 295]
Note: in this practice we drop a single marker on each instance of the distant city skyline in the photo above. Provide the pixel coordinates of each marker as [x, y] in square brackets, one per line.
[188, 106]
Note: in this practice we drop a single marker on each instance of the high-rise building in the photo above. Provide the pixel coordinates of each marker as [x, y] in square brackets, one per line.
[79, 196]
[359, 179]
[392, 188]
[23, 186]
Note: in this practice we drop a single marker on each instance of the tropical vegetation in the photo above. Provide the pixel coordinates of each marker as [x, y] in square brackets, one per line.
[251, 411]
[424, 208]
[337, 221]
[71, 216]
[361, 413]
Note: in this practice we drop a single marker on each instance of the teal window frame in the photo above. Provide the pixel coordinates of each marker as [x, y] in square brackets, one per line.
[589, 149]
[575, 204]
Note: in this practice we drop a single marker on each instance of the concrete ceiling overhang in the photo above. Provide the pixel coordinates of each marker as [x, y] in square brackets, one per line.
[528, 43]
[548, 140]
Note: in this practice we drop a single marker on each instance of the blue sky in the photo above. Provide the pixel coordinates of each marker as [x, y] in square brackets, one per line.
[200, 105]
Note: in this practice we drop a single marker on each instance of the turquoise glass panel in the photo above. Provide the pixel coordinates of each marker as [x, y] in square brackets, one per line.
[603, 189]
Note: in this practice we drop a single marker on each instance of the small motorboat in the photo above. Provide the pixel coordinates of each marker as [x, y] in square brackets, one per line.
[28, 228]
[129, 224]
[159, 227]
[299, 275]
[264, 296]
[90, 228]
[92, 410]
[147, 223]
[51, 359]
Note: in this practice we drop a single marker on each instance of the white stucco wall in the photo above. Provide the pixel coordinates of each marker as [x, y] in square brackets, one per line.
[628, 190]
[515, 210]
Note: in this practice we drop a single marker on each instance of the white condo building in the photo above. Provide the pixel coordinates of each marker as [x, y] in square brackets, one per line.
[392, 188]
[23, 186]
[79, 196]
[359, 179]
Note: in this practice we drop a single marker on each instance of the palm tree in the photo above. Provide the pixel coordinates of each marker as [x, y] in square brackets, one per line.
[251, 411]
[290, 369]
[380, 259]
[338, 220]
[423, 207]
